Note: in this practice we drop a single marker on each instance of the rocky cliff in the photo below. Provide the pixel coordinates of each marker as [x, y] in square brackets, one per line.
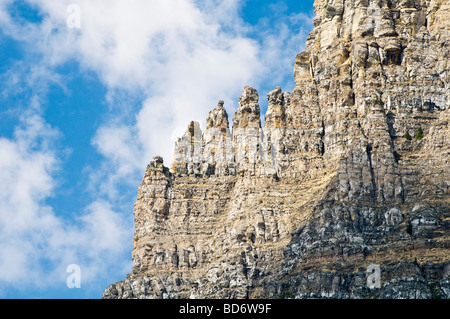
[349, 172]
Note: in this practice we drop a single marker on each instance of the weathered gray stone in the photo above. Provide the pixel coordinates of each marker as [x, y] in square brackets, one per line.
[351, 169]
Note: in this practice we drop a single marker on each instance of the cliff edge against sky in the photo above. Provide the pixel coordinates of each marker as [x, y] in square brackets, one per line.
[351, 169]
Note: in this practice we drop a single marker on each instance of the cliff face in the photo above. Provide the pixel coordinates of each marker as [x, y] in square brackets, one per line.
[351, 169]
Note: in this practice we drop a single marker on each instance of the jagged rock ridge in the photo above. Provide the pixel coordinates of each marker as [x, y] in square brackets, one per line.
[351, 169]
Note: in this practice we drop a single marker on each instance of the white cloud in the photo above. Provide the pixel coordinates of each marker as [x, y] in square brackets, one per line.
[119, 145]
[25, 174]
[26, 165]
[179, 55]
[183, 54]
[35, 243]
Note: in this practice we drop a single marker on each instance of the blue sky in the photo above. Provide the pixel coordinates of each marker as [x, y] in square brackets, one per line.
[83, 111]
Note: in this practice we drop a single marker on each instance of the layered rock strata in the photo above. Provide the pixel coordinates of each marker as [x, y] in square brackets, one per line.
[350, 170]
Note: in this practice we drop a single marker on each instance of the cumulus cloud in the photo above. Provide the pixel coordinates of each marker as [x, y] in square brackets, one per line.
[26, 182]
[183, 55]
[36, 244]
[178, 56]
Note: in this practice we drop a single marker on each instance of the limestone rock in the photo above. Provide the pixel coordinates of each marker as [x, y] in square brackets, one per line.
[247, 135]
[218, 155]
[187, 158]
[351, 169]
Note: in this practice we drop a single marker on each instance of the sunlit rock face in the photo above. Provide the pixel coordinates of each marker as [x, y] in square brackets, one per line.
[350, 169]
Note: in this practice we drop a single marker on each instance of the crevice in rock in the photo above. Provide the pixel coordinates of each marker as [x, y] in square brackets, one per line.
[372, 173]
[322, 137]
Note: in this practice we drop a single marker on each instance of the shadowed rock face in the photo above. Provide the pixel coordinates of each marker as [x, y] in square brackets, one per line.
[351, 169]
